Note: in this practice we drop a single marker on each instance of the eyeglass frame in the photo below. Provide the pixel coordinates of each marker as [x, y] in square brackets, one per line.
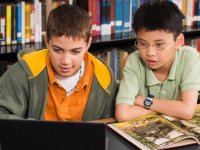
[148, 45]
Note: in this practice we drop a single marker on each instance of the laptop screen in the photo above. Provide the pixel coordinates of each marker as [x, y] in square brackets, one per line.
[49, 135]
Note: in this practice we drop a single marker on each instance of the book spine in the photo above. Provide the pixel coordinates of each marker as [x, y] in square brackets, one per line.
[126, 16]
[14, 27]
[92, 12]
[70, 2]
[198, 13]
[108, 25]
[131, 17]
[8, 24]
[54, 4]
[112, 16]
[38, 19]
[115, 62]
[32, 24]
[184, 9]
[118, 15]
[98, 22]
[48, 7]
[96, 17]
[2, 24]
[19, 25]
[43, 21]
[178, 3]
[198, 45]
[190, 13]
[122, 59]
[103, 16]
[27, 22]
[23, 21]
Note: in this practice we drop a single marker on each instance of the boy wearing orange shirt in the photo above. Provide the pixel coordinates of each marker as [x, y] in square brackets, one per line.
[63, 82]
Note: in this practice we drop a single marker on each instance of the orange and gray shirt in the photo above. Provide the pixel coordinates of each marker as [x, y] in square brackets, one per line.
[63, 107]
[24, 89]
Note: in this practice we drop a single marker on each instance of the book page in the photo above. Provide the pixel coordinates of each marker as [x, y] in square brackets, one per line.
[192, 126]
[152, 131]
[196, 118]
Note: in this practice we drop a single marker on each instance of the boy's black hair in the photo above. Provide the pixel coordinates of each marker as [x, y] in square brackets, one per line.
[159, 15]
[70, 21]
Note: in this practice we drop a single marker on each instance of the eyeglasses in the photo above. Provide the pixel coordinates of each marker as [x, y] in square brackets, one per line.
[141, 45]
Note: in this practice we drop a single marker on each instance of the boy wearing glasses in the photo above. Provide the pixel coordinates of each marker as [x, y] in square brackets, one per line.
[163, 76]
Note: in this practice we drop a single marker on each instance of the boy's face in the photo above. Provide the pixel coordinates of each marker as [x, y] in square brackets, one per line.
[157, 48]
[66, 54]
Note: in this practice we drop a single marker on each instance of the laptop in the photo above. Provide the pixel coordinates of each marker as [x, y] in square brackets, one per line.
[51, 135]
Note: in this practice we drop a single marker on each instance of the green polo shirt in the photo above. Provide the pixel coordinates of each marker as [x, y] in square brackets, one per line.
[140, 80]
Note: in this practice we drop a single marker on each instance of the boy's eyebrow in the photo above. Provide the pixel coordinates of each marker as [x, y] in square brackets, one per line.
[159, 40]
[140, 39]
[77, 48]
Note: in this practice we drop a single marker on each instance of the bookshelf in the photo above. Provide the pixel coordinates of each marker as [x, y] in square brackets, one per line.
[124, 39]
[191, 32]
[99, 42]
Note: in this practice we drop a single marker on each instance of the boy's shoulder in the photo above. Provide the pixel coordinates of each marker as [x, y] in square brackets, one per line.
[188, 51]
[135, 57]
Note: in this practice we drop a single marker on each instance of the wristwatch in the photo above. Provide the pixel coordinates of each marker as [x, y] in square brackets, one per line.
[148, 101]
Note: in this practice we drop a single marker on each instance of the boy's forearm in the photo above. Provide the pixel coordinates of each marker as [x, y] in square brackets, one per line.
[174, 108]
[126, 112]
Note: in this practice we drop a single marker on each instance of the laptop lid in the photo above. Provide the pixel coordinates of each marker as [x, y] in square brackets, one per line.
[51, 135]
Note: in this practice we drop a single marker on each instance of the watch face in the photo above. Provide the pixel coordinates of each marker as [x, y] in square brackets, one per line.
[147, 102]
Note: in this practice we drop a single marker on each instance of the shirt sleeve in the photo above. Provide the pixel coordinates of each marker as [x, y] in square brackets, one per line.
[129, 85]
[191, 71]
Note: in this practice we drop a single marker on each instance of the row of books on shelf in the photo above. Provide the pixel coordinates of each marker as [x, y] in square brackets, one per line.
[115, 16]
[7, 49]
[22, 22]
[194, 42]
[25, 21]
[115, 58]
[191, 11]
[111, 16]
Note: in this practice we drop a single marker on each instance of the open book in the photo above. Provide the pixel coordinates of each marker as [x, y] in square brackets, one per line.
[159, 131]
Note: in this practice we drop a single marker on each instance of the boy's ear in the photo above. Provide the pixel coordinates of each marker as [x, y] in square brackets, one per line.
[46, 40]
[180, 41]
[89, 43]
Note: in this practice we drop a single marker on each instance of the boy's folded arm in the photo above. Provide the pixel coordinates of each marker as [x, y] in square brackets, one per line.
[183, 109]
[125, 112]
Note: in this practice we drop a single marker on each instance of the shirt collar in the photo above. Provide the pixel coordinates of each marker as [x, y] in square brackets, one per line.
[85, 79]
[151, 79]
[172, 73]
[87, 75]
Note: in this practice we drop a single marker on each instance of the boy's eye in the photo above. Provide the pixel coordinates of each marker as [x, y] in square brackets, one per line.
[160, 45]
[142, 44]
[57, 50]
[75, 52]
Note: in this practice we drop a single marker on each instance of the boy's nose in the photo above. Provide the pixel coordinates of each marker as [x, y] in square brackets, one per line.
[66, 59]
[151, 51]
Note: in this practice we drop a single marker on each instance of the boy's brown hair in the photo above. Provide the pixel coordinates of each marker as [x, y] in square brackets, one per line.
[70, 21]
